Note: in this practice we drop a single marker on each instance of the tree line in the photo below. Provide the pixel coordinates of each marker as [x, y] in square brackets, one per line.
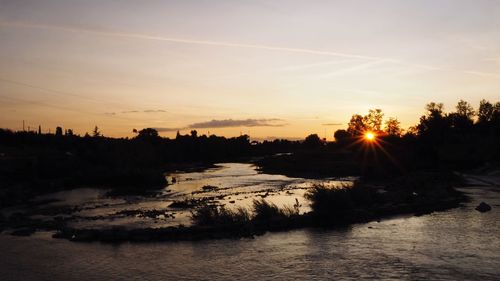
[435, 124]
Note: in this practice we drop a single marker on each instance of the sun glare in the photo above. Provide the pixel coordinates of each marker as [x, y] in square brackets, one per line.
[369, 136]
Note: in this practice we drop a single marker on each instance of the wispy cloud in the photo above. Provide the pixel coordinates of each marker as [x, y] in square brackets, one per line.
[229, 123]
[332, 124]
[185, 41]
[274, 122]
[313, 65]
[136, 111]
[154, 111]
[163, 129]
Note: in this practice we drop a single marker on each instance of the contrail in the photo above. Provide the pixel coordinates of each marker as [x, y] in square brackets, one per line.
[187, 41]
[237, 45]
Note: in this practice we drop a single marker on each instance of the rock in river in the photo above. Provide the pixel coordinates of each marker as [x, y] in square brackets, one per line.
[483, 207]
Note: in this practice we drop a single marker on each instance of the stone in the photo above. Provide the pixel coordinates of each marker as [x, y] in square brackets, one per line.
[483, 207]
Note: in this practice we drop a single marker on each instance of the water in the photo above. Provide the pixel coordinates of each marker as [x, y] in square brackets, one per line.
[237, 185]
[458, 244]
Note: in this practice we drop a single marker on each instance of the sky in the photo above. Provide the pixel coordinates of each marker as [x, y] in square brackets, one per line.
[265, 68]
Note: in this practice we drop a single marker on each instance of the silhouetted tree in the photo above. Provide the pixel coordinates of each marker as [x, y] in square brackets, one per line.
[69, 132]
[412, 131]
[435, 108]
[465, 110]
[39, 129]
[434, 123]
[485, 112]
[392, 127]
[461, 120]
[341, 135]
[356, 125]
[373, 120]
[147, 134]
[313, 141]
[59, 131]
[96, 133]
[194, 134]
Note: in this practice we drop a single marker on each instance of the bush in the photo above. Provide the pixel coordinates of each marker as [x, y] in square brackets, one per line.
[262, 212]
[330, 201]
[219, 215]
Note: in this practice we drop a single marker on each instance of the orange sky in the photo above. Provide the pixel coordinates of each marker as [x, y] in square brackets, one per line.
[263, 68]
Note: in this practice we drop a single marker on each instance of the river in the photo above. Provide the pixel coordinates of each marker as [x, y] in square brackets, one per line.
[458, 244]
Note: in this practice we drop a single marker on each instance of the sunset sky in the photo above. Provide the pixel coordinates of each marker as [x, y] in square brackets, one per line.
[264, 68]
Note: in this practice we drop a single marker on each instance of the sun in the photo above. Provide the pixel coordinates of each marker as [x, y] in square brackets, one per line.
[369, 136]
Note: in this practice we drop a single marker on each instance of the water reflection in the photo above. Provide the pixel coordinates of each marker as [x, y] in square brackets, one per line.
[230, 184]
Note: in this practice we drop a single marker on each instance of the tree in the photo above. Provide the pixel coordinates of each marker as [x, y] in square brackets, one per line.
[465, 110]
[341, 135]
[392, 127]
[69, 132]
[356, 125]
[434, 109]
[39, 129]
[194, 134]
[461, 119]
[148, 134]
[485, 112]
[312, 141]
[59, 131]
[373, 120]
[434, 122]
[96, 133]
[412, 131]
[496, 112]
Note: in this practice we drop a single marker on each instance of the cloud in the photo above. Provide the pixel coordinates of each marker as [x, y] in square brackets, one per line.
[274, 122]
[135, 111]
[229, 123]
[162, 129]
[154, 111]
